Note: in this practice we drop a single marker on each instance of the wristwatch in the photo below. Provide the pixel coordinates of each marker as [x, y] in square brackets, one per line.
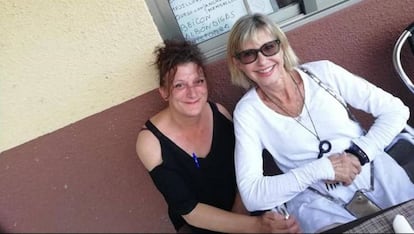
[359, 153]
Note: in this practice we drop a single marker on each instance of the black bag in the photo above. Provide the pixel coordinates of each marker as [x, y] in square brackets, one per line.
[402, 150]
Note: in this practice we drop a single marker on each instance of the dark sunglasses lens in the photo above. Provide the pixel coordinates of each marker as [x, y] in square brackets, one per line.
[270, 48]
[248, 56]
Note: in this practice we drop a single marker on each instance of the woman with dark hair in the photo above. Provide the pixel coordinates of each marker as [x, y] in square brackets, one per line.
[188, 149]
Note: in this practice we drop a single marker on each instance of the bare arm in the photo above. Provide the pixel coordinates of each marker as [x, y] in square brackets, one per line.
[209, 217]
[148, 150]
[212, 218]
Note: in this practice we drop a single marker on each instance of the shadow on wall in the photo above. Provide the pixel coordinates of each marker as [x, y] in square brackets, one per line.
[85, 177]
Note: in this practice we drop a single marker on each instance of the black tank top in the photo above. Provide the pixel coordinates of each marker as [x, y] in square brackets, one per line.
[184, 184]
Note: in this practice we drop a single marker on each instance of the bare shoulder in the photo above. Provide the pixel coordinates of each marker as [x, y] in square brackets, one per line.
[148, 149]
[224, 111]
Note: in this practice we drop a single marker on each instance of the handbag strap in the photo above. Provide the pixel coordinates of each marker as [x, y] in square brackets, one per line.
[352, 116]
[330, 91]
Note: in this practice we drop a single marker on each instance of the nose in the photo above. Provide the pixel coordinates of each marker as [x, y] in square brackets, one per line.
[260, 57]
[191, 90]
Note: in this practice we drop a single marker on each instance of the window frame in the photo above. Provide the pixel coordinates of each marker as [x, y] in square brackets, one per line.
[288, 17]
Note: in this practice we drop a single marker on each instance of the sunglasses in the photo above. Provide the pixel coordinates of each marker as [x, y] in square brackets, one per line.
[268, 49]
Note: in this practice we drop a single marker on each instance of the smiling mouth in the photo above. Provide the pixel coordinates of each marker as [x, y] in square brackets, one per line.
[192, 102]
[266, 70]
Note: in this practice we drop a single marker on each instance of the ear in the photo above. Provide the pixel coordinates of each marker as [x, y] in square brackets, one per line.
[164, 93]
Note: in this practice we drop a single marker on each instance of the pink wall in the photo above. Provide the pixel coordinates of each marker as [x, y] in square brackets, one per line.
[361, 38]
[86, 177]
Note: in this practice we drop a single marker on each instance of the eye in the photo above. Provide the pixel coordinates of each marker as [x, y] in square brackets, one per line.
[178, 86]
[200, 81]
[269, 46]
[247, 53]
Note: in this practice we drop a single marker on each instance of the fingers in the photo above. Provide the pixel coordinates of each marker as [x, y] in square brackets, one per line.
[273, 223]
[355, 162]
[293, 225]
[278, 224]
[354, 167]
[273, 215]
[346, 167]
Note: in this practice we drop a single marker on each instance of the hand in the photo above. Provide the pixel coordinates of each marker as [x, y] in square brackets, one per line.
[346, 167]
[272, 222]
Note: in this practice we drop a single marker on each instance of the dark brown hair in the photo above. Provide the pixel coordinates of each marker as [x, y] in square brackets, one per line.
[172, 54]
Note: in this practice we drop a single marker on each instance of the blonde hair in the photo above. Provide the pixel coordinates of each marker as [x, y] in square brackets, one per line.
[246, 29]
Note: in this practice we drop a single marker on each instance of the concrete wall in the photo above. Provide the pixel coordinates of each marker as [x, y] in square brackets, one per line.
[86, 177]
[62, 61]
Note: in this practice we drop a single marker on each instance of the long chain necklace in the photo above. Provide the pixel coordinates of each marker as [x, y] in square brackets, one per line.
[324, 145]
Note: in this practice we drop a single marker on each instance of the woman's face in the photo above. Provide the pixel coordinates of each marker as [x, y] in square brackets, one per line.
[265, 69]
[188, 93]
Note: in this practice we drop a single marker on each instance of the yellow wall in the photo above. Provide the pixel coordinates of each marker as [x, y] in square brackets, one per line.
[64, 60]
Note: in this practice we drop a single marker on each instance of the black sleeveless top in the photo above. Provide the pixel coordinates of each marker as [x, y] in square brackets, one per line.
[184, 184]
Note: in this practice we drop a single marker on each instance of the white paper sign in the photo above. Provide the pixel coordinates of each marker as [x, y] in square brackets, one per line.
[200, 20]
[261, 6]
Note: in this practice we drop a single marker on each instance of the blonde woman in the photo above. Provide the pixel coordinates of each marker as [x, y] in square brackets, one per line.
[297, 113]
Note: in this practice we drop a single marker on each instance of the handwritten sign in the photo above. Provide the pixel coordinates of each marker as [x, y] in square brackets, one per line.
[262, 6]
[200, 20]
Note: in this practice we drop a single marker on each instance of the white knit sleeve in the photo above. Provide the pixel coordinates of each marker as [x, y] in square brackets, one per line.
[389, 111]
[260, 192]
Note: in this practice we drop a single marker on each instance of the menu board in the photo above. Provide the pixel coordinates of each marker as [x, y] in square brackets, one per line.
[200, 20]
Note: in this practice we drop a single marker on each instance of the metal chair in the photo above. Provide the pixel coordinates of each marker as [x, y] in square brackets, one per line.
[402, 147]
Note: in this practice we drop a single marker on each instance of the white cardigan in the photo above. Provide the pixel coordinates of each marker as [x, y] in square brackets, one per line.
[295, 149]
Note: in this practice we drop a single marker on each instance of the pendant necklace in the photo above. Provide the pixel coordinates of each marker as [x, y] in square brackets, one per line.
[324, 145]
